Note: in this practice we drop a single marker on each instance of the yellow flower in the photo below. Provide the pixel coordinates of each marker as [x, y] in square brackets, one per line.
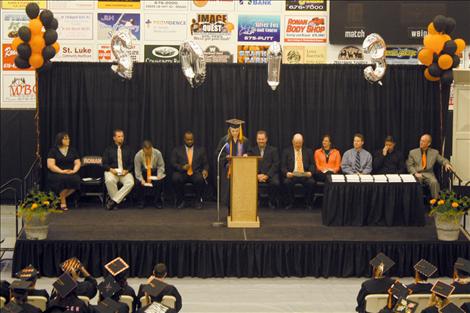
[46, 202]
[441, 202]
[432, 201]
[34, 206]
[455, 204]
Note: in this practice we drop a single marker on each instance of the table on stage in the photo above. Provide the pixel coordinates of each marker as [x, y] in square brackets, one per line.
[375, 201]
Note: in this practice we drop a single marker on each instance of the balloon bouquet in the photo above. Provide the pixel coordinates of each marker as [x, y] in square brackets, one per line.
[440, 53]
[35, 46]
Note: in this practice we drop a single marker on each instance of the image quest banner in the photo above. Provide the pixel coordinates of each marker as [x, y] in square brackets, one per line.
[259, 28]
[212, 27]
[308, 29]
[165, 27]
[75, 26]
[108, 23]
[182, 5]
[11, 22]
[162, 54]
[305, 5]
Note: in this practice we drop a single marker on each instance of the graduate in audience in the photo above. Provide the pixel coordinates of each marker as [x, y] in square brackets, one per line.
[461, 276]
[378, 284]
[156, 288]
[396, 293]
[19, 291]
[5, 290]
[86, 287]
[30, 274]
[439, 299]
[388, 160]
[109, 291]
[423, 270]
[67, 298]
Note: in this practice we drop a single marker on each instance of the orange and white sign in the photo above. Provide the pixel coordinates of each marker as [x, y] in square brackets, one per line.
[9, 56]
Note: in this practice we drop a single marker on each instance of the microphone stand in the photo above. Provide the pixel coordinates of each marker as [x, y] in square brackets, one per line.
[219, 223]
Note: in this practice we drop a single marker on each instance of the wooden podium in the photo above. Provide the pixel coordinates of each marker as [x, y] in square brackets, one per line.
[243, 193]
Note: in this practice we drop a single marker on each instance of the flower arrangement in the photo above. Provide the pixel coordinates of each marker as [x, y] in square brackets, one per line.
[449, 205]
[38, 203]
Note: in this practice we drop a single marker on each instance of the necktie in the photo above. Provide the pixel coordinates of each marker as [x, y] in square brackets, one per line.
[298, 160]
[148, 163]
[357, 162]
[423, 160]
[119, 158]
[190, 161]
[261, 152]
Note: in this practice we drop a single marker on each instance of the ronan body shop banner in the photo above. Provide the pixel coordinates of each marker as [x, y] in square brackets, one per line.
[310, 29]
[259, 28]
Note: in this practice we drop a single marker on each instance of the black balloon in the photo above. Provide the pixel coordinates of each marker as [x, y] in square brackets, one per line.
[46, 66]
[450, 25]
[447, 77]
[46, 17]
[54, 24]
[32, 10]
[449, 47]
[24, 51]
[435, 58]
[440, 23]
[24, 33]
[48, 52]
[50, 36]
[435, 70]
[21, 63]
[456, 61]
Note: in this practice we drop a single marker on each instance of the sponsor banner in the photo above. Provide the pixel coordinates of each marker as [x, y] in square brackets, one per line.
[75, 53]
[401, 55]
[74, 5]
[165, 27]
[465, 63]
[260, 6]
[346, 55]
[110, 22]
[75, 26]
[304, 54]
[106, 55]
[212, 5]
[11, 22]
[252, 54]
[9, 56]
[21, 4]
[212, 26]
[19, 88]
[218, 54]
[182, 5]
[259, 28]
[305, 29]
[118, 4]
[162, 54]
[305, 5]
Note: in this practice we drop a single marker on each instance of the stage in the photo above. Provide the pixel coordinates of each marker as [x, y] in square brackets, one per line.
[289, 243]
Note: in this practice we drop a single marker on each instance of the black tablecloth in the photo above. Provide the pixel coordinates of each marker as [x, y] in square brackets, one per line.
[378, 204]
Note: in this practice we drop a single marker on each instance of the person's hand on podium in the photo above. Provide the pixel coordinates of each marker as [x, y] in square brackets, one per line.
[245, 155]
[262, 178]
[290, 174]
[205, 174]
[308, 174]
[186, 167]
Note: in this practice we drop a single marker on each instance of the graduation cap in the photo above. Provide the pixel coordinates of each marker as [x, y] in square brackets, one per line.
[71, 265]
[399, 290]
[425, 268]
[451, 308]
[156, 307]
[405, 306]
[12, 307]
[462, 265]
[155, 288]
[65, 285]
[381, 260]
[20, 287]
[108, 305]
[29, 273]
[108, 287]
[442, 289]
[236, 123]
[116, 266]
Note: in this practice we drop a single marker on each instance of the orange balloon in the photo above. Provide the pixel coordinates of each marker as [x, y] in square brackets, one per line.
[460, 45]
[16, 42]
[429, 77]
[37, 43]
[35, 26]
[446, 37]
[431, 29]
[435, 42]
[425, 56]
[56, 46]
[36, 60]
[445, 61]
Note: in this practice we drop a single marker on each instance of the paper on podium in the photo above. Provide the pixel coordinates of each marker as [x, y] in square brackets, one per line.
[148, 185]
[380, 178]
[366, 178]
[394, 178]
[353, 178]
[408, 178]
[337, 178]
[299, 174]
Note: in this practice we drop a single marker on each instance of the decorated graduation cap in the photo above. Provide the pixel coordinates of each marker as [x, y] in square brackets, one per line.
[20, 287]
[442, 289]
[405, 306]
[155, 288]
[108, 305]
[29, 273]
[382, 261]
[157, 307]
[462, 265]
[425, 268]
[451, 308]
[109, 286]
[65, 285]
[12, 307]
[71, 265]
[116, 266]
[399, 290]
[236, 123]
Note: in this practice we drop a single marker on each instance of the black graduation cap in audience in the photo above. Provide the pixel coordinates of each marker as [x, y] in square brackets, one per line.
[109, 286]
[65, 285]
[72, 264]
[12, 307]
[28, 273]
[462, 265]
[442, 289]
[116, 266]
[108, 305]
[155, 288]
[20, 287]
[382, 260]
[405, 306]
[399, 290]
[451, 308]
[425, 268]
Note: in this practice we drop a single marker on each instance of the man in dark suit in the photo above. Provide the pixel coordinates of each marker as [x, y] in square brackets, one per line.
[297, 168]
[190, 165]
[268, 166]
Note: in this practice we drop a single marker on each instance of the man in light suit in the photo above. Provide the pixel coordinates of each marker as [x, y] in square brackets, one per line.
[421, 162]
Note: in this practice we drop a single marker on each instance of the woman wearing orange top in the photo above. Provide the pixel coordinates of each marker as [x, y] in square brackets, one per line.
[327, 159]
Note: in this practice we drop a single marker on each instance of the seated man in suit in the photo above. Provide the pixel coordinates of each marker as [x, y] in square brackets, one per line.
[268, 166]
[389, 160]
[421, 162]
[298, 168]
[190, 165]
[357, 160]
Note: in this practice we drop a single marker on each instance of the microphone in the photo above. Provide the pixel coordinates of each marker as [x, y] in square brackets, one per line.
[219, 223]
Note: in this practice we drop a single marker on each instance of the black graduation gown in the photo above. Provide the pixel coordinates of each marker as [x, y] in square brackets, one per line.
[28, 308]
[87, 288]
[40, 293]
[5, 290]
[466, 307]
[461, 288]
[125, 290]
[372, 286]
[71, 303]
[169, 290]
[424, 288]
[430, 309]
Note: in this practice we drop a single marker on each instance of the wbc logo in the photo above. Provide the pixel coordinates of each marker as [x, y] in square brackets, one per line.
[19, 88]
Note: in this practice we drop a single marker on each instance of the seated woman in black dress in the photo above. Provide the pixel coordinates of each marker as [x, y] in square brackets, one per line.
[63, 163]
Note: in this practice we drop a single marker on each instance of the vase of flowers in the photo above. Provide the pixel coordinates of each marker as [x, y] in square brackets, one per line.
[35, 210]
[448, 210]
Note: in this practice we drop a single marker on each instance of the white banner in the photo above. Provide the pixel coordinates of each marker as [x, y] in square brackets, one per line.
[11, 22]
[68, 4]
[213, 5]
[165, 27]
[75, 26]
[166, 5]
[271, 6]
[76, 53]
[19, 90]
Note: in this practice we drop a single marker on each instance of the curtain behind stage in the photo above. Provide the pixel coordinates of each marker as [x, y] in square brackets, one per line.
[88, 100]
